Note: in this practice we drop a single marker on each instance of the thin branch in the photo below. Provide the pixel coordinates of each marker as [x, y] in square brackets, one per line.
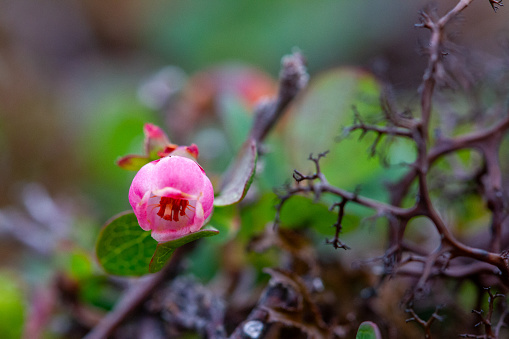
[335, 242]
[455, 272]
[389, 130]
[495, 4]
[446, 146]
[486, 321]
[435, 53]
[426, 324]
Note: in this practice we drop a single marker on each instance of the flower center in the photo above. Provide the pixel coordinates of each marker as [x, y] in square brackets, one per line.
[170, 208]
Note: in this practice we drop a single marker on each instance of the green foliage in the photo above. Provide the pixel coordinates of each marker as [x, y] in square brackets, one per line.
[317, 122]
[12, 307]
[467, 294]
[123, 248]
[326, 107]
[78, 264]
[225, 219]
[236, 120]
[86, 114]
[99, 292]
[165, 250]
[174, 27]
[204, 260]
[301, 211]
[113, 132]
[368, 330]
[297, 212]
[254, 217]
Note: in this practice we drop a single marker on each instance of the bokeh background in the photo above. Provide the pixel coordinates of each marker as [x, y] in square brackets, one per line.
[78, 79]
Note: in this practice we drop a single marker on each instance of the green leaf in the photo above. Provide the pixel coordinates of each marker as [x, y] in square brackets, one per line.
[99, 291]
[240, 176]
[318, 118]
[225, 220]
[236, 119]
[78, 264]
[123, 248]
[368, 330]
[12, 306]
[165, 250]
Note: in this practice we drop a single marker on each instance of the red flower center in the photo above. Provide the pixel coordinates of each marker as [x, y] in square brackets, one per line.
[170, 208]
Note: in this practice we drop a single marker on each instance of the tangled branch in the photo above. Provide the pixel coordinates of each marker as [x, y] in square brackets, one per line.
[426, 324]
[491, 332]
[402, 257]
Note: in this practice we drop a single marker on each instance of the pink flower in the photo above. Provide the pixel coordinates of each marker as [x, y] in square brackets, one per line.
[171, 197]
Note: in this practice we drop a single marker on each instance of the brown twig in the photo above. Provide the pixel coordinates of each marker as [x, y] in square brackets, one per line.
[335, 242]
[487, 141]
[426, 324]
[486, 321]
[495, 4]
[434, 69]
[292, 79]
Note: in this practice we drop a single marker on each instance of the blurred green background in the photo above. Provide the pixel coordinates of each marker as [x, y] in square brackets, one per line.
[79, 78]
[70, 72]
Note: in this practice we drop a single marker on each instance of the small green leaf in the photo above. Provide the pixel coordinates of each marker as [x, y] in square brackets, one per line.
[368, 330]
[79, 264]
[13, 310]
[123, 248]
[165, 250]
[240, 176]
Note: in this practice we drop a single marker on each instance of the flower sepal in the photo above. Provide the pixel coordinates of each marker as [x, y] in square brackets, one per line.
[124, 249]
[156, 145]
[132, 162]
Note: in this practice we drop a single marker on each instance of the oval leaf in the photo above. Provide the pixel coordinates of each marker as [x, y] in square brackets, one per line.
[165, 250]
[317, 119]
[368, 330]
[123, 248]
[240, 176]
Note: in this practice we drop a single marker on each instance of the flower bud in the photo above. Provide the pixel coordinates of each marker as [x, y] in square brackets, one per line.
[171, 197]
